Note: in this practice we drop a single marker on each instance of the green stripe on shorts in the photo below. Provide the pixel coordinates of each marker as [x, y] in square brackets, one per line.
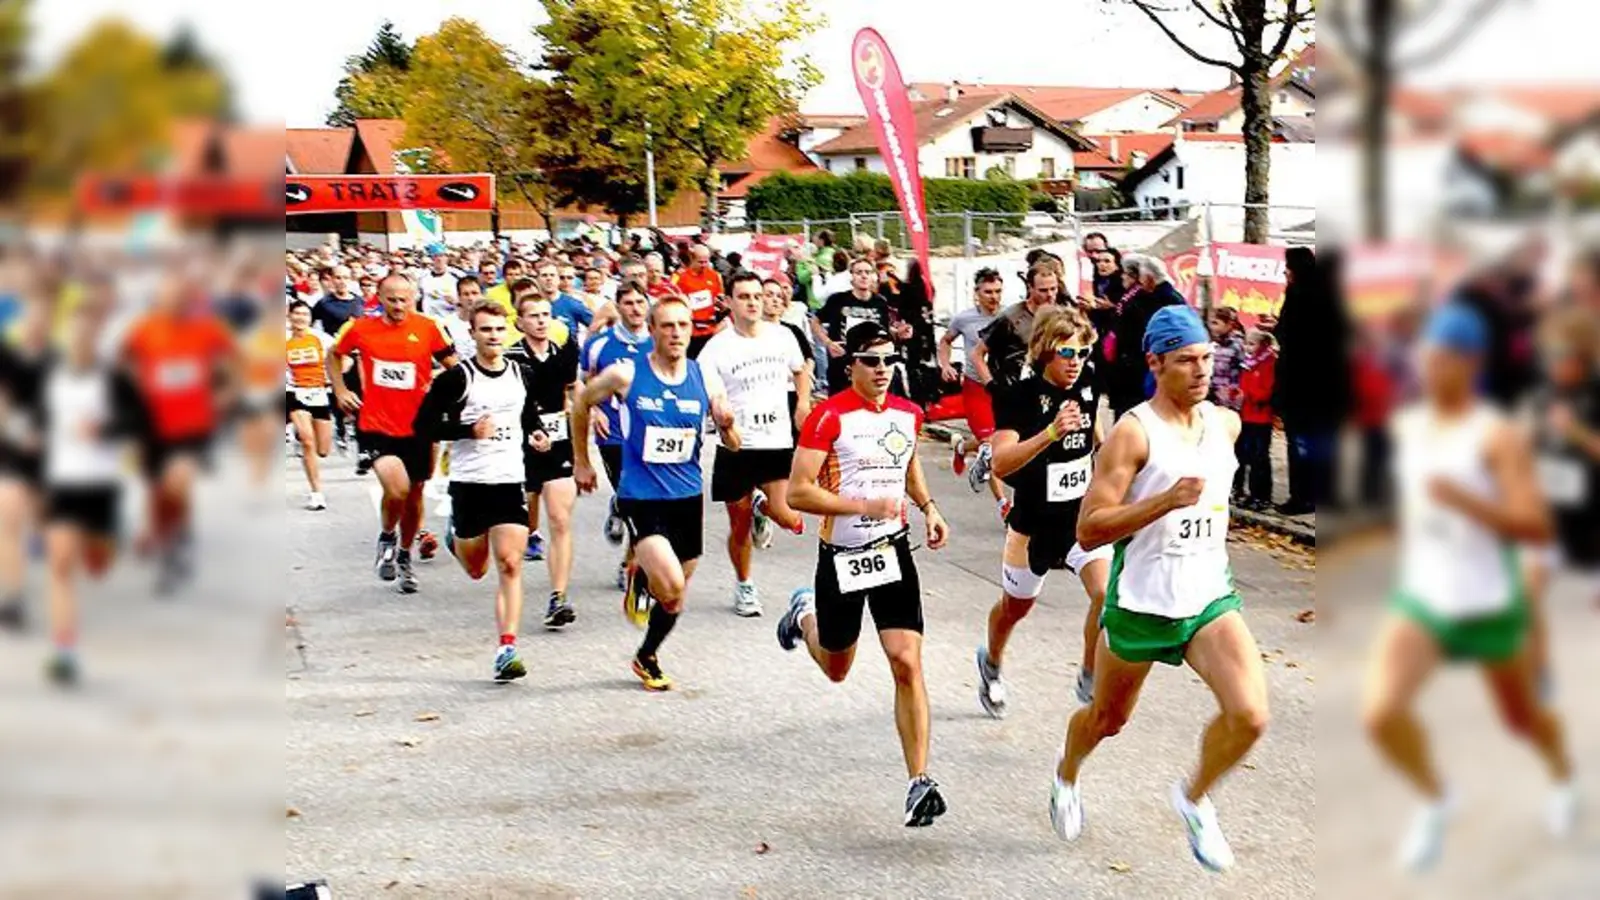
[1142, 637]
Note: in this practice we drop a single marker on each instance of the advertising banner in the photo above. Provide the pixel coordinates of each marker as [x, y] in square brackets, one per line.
[387, 193]
[883, 92]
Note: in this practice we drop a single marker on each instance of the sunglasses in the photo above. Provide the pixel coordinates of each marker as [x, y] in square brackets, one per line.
[879, 360]
[1065, 351]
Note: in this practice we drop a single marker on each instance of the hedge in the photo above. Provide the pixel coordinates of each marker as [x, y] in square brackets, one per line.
[785, 197]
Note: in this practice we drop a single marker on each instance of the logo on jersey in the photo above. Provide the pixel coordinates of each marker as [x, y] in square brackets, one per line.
[895, 443]
[650, 404]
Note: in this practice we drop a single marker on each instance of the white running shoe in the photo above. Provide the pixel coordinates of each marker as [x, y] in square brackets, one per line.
[761, 526]
[1561, 811]
[315, 501]
[1425, 838]
[1066, 810]
[746, 600]
[1206, 841]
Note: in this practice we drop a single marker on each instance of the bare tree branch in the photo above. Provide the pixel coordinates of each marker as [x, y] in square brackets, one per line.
[1291, 20]
[1464, 27]
[1149, 11]
[1225, 22]
[1346, 35]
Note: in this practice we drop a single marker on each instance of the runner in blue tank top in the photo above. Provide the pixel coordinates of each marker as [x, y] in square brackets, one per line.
[628, 339]
[665, 397]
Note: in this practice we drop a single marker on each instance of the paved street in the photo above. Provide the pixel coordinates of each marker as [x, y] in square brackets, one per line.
[412, 775]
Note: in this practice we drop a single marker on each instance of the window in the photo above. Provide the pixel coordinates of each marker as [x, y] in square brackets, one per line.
[1180, 178]
[861, 164]
[828, 164]
[960, 167]
[1009, 163]
[1283, 96]
[1047, 167]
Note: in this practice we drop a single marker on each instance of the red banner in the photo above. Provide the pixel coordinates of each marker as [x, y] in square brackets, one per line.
[1185, 271]
[1381, 280]
[883, 92]
[766, 254]
[207, 195]
[387, 193]
[1249, 278]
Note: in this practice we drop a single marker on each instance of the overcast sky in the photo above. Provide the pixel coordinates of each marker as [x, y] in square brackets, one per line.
[285, 57]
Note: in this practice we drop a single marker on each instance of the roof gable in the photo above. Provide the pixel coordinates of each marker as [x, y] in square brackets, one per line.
[936, 118]
[319, 151]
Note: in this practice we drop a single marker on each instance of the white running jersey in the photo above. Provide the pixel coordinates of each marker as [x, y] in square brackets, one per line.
[1178, 565]
[758, 373]
[437, 295]
[77, 401]
[501, 395]
[1450, 563]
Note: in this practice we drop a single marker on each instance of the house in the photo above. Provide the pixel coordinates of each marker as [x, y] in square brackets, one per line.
[967, 137]
[775, 149]
[1117, 155]
[1087, 110]
[812, 130]
[1575, 157]
[1293, 93]
[1198, 169]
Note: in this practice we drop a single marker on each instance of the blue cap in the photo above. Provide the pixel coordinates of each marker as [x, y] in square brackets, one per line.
[437, 249]
[1457, 327]
[1173, 327]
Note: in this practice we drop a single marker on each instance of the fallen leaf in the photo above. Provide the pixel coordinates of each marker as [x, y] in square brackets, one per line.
[749, 890]
[408, 742]
[391, 885]
[350, 665]
[426, 717]
[763, 847]
[292, 813]
[1120, 868]
[1292, 664]
[363, 713]
[1250, 766]
[1306, 615]
[591, 827]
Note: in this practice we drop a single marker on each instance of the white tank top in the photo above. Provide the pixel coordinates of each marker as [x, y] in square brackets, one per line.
[1178, 565]
[1451, 564]
[497, 460]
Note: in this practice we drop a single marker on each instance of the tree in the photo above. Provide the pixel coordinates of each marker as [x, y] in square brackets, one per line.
[1260, 31]
[373, 86]
[1371, 40]
[701, 76]
[13, 100]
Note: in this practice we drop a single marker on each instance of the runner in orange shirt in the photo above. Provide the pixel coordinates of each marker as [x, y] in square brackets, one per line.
[702, 287]
[258, 408]
[185, 363]
[308, 397]
[397, 351]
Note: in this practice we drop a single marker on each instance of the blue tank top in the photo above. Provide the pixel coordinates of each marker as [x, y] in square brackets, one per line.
[604, 349]
[661, 434]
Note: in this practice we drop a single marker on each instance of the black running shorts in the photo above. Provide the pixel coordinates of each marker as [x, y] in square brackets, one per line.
[539, 469]
[94, 509]
[158, 453]
[476, 508]
[292, 405]
[736, 474]
[416, 454]
[611, 459]
[679, 521]
[894, 605]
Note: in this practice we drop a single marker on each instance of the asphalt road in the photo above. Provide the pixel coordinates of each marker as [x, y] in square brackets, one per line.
[410, 774]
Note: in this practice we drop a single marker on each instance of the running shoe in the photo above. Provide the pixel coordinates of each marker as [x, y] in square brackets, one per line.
[1003, 506]
[363, 464]
[560, 614]
[1424, 840]
[622, 576]
[508, 664]
[427, 545]
[1561, 811]
[1066, 810]
[978, 474]
[1085, 687]
[616, 529]
[408, 578]
[649, 672]
[450, 535]
[388, 547]
[316, 502]
[802, 603]
[1206, 841]
[746, 600]
[13, 617]
[535, 551]
[761, 527]
[991, 690]
[636, 597]
[958, 455]
[62, 669]
[924, 803]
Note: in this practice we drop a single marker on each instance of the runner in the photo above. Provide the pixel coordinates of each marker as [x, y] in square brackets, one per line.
[657, 284]
[626, 340]
[89, 410]
[307, 398]
[1468, 493]
[439, 286]
[397, 354]
[1044, 447]
[856, 466]
[1159, 495]
[758, 364]
[571, 312]
[968, 324]
[702, 286]
[552, 370]
[487, 410]
[458, 325]
[23, 361]
[777, 297]
[178, 358]
[329, 313]
[258, 408]
[665, 397]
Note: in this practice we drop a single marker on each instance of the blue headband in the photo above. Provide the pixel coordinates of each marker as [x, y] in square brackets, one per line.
[1173, 327]
[1457, 327]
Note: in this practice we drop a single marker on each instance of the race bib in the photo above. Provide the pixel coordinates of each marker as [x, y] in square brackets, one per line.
[304, 356]
[762, 422]
[311, 396]
[851, 321]
[1196, 529]
[1066, 481]
[668, 445]
[555, 426]
[859, 570]
[178, 375]
[700, 300]
[1565, 481]
[398, 376]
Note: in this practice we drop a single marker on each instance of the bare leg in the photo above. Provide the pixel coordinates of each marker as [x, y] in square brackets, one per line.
[559, 496]
[509, 542]
[1117, 684]
[1009, 610]
[1515, 692]
[1224, 654]
[16, 514]
[63, 546]
[911, 719]
[741, 518]
[411, 519]
[310, 448]
[396, 484]
[1402, 659]
[1096, 578]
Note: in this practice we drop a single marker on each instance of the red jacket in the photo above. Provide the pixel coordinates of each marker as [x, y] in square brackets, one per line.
[1374, 390]
[1255, 385]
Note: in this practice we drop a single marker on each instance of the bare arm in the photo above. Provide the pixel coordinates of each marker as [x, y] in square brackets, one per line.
[335, 362]
[612, 382]
[806, 496]
[1105, 517]
[980, 363]
[1519, 513]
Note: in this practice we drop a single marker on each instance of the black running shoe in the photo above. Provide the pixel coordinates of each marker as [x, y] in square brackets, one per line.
[560, 613]
[62, 669]
[13, 617]
[924, 803]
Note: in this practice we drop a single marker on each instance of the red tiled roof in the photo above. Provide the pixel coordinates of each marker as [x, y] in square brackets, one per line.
[1425, 108]
[253, 151]
[1562, 105]
[1126, 145]
[768, 152]
[1510, 153]
[191, 138]
[380, 136]
[829, 120]
[929, 124]
[1064, 104]
[1211, 107]
[319, 151]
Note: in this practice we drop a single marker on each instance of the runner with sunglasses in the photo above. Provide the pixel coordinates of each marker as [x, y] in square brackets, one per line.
[1044, 443]
[856, 466]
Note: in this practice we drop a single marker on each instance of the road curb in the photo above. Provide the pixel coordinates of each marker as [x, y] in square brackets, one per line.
[1297, 530]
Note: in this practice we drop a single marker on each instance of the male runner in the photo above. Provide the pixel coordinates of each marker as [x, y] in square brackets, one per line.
[856, 465]
[1468, 493]
[844, 311]
[657, 284]
[458, 325]
[665, 397]
[1044, 448]
[439, 286]
[702, 285]
[397, 350]
[486, 408]
[1159, 496]
[776, 299]
[23, 361]
[626, 340]
[552, 371]
[573, 314]
[758, 363]
[968, 324]
[307, 397]
[339, 304]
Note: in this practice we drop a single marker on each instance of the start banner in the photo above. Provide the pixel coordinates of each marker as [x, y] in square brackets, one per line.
[304, 194]
[200, 196]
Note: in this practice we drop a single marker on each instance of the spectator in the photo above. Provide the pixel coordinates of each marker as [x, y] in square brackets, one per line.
[1255, 435]
[1311, 394]
[1095, 242]
[839, 281]
[1148, 288]
[1227, 358]
[1374, 387]
[598, 289]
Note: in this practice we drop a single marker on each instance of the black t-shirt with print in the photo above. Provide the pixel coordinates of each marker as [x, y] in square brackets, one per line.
[1062, 470]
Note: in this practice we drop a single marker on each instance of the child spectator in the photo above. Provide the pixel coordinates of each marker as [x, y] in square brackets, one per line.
[1257, 370]
[1376, 370]
[1228, 357]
